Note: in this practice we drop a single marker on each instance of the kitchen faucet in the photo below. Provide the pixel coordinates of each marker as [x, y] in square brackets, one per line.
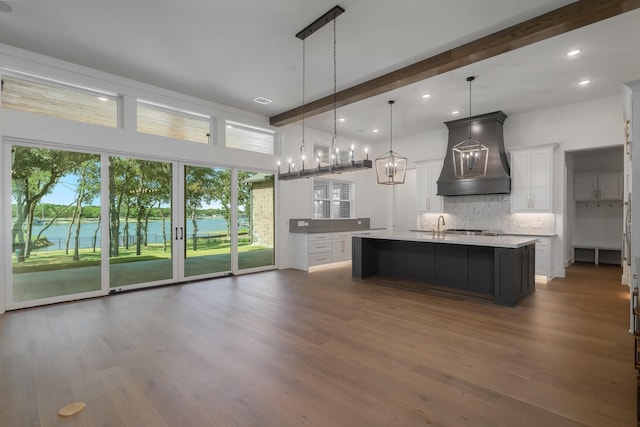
[443, 224]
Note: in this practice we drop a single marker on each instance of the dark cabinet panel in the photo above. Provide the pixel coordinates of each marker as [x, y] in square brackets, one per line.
[364, 256]
[392, 258]
[420, 261]
[480, 268]
[451, 267]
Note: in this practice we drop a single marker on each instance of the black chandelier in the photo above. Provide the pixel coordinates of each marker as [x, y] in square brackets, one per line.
[306, 169]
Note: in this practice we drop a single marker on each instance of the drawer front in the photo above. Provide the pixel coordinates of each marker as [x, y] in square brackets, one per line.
[342, 235]
[320, 258]
[317, 247]
[319, 237]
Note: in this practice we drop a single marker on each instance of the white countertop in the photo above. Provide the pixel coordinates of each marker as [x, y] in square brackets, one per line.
[493, 241]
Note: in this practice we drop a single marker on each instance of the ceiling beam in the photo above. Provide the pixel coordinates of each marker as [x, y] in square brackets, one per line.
[573, 16]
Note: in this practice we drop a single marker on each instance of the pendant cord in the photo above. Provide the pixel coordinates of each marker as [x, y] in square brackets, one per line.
[391, 126]
[335, 87]
[304, 74]
[470, 80]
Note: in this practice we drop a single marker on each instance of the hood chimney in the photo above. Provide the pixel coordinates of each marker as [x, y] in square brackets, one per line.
[477, 169]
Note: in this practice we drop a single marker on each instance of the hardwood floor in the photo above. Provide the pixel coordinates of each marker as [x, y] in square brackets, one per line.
[287, 348]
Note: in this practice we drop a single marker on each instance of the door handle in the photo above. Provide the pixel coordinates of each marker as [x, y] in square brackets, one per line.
[181, 233]
[176, 233]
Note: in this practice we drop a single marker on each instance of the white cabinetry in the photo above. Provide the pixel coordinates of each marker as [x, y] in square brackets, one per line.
[532, 179]
[325, 248]
[341, 246]
[543, 257]
[602, 186]
[427, 174]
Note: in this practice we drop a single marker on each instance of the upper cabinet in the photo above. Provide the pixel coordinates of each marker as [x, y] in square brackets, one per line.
[532, 179]
[427, 174]
[598, 186]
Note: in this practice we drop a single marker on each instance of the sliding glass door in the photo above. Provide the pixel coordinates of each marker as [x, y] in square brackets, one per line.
[85, 224]
[206, 221]
[141, 232]
[55, 224]
[256, 220]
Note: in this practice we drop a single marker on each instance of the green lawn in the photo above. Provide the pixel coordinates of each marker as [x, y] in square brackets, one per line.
[58, 260]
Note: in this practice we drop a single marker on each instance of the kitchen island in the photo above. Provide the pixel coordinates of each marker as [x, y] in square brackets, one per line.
[497, 267]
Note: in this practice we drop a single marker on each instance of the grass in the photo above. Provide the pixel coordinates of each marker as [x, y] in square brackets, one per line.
[58, 260]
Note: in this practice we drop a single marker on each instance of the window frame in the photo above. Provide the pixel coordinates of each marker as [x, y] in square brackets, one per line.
[329, 210]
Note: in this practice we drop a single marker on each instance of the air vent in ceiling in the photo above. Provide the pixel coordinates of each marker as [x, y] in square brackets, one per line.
[261, 100]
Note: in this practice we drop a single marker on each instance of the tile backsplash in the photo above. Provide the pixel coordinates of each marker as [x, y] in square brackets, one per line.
[489, 212]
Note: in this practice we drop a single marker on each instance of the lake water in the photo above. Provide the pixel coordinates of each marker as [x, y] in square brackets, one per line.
[57, 233]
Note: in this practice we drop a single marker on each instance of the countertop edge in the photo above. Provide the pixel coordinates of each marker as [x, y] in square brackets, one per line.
[489, 241]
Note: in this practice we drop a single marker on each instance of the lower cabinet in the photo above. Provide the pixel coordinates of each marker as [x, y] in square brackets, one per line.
[325, 248]
[544, 252]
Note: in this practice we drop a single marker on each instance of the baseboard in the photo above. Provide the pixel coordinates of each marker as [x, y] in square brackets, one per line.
[560, 272]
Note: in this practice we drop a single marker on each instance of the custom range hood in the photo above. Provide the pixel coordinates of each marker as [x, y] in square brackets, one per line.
[475, 162]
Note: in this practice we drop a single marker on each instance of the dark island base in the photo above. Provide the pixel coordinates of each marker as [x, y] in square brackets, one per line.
[504, 274]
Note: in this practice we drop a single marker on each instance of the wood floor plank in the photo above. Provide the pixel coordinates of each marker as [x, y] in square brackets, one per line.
[288, 348]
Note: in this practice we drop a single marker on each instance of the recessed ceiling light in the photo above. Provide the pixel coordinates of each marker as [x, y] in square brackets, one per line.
[341, 119]
[426, 95]
[454, 112]
[574, 52]
[103, 98]
[261, 100]
[584, 82]
[229, 126]
[376, 131]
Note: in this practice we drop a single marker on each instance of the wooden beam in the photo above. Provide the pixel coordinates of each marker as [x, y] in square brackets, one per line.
[573, 16]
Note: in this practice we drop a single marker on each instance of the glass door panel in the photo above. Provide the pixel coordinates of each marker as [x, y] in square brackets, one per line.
[140, 221]
[256, 220]
[207, 210]
[55, 223]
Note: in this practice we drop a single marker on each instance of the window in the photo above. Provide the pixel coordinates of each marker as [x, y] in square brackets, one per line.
[321, 152]
[249, 138]
[162, 120]
[64, 100]
[332, 199]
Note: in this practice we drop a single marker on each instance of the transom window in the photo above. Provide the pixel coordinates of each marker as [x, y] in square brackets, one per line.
[163, 120]
[245, 137]
[332, 199]
[55, 98]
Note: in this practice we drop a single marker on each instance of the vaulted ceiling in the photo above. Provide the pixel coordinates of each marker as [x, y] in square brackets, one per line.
[233, 52]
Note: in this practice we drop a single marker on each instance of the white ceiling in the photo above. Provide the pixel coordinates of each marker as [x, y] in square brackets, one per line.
[232, 52]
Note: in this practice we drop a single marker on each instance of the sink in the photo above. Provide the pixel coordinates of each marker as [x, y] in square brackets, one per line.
[471, 232]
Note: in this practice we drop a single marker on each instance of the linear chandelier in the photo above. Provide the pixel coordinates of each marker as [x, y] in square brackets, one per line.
[334, 164]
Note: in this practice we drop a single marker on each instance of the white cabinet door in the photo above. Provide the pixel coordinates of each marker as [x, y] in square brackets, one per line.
[610, 186]
[602, 186]
[532, 180]
[543, 257]
[341, 249]
[541, 173]
[520, 181]
[585, 188]
[427, 174]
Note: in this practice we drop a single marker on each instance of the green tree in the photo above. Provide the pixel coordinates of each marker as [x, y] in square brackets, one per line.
[199, 190]
[34, 173]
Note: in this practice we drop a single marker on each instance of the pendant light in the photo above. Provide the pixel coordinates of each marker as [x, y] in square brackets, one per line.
[307, 169]
[391, 167]
[470, 156]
